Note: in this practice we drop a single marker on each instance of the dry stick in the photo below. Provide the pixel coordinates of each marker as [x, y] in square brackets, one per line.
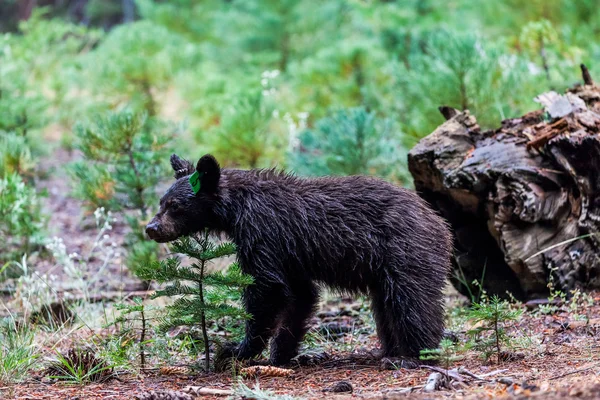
[560, 244]
[203, 314]
[465, 371]
[574, 371]
[456, 373]
[408, 389]
[142, 340]
[434, 381]
[452, 373]
[497, 334]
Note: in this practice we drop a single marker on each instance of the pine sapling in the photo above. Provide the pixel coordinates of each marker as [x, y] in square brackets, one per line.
[135, 317]
[349, 142]
[202, 297]
[493, 315]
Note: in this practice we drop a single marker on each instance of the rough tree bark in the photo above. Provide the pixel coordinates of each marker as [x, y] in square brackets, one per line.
[513, 192]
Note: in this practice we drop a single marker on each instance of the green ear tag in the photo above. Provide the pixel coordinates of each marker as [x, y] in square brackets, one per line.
[195, 181]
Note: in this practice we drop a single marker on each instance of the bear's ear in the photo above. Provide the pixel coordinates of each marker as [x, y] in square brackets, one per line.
[181, 167]
[209, 172]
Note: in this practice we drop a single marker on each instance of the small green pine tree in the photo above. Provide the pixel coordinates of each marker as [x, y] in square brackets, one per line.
[202, 297]
[491, 335]
[134, 319]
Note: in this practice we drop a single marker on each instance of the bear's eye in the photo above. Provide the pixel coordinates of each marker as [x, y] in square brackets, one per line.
[173, 206]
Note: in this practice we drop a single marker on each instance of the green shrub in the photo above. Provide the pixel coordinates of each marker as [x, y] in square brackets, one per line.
[21, 109]
[134, 321]
[40, 74]
[446, 354]
[78, 367]
[15, 156]
[124, 159]
[21, 220]
[243, 137]
[465, 72]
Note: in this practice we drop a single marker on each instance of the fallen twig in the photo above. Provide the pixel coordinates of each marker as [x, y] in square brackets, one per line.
[405, 390]
[574, 371]
[535, 303]
[452, 373]
[505, 381]
[464, 371]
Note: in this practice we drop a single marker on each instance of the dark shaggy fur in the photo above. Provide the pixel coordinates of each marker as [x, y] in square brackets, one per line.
[355, 234]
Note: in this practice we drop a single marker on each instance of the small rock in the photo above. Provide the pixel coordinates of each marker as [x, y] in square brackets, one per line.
[340, 387]
[433, 382]
[450, 335]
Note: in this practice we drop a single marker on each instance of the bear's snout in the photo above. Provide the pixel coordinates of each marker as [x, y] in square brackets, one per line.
[152, 230]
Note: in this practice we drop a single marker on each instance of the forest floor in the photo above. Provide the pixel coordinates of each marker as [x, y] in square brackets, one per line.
[557, 357]
[555, 354]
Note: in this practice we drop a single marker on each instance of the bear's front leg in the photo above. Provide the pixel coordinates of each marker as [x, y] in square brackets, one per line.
[294, 323]
[265, 303]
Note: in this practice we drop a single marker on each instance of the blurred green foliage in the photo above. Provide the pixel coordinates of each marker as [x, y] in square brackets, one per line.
[317, 86]
[124, 158]
[246, 76]
[349, 142]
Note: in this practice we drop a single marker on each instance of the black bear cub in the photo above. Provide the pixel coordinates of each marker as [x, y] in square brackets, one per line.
[355, 234]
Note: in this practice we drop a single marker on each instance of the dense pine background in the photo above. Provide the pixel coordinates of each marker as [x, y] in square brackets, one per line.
[315, 86]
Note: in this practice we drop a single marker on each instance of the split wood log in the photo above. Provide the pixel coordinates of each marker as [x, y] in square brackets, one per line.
[524, 199]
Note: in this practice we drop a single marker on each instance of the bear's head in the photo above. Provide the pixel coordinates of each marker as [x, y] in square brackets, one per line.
[186, 207]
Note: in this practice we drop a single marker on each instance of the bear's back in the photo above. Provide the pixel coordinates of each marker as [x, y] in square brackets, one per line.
[330, 225]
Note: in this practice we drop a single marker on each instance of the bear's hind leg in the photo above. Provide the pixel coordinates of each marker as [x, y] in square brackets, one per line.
[409, 315]
[385, 329]
[294, 324]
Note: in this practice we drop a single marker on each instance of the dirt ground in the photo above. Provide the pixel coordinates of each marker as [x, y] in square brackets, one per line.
[561, 361]
[557, 355]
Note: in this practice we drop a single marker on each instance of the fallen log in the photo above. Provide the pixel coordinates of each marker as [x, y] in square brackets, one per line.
[524, 199]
